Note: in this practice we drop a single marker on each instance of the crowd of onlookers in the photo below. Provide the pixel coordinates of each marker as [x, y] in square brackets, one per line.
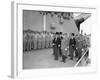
[63, 44]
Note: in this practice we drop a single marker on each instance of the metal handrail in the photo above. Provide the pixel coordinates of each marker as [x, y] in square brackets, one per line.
[81, 58]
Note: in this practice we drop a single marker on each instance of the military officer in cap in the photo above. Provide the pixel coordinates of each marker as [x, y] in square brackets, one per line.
[26, 38]
[43, 39]
[29, 42]
[38, 46]
[79, 50]
[39, 41]
[24, 41]
[65, 47]
[35, 40]
[46, 40]
[51, 38]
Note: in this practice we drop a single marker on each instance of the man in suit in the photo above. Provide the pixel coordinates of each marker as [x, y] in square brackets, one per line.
[55, 46]
[60, 40]
[58, 45]
[72, 44]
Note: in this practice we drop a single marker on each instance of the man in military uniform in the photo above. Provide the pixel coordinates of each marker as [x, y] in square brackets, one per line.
[32, 44]
[28, 41]
[79, 50]
[43, 39]
[65, 47]
[38, 44]
[51, 38]
[26, 44]
[39, 40]
[87, 43]
[35, 40]
[31, 39]
[24, 41]
[47, 39]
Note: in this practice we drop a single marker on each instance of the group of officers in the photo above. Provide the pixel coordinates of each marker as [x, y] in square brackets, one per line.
[64, 45]
[35, 40]
[72, 46]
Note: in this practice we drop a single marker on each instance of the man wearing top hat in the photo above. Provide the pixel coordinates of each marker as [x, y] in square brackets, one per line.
[55, 46]
[72, 46]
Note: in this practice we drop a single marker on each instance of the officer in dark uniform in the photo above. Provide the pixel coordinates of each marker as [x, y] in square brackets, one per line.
[78, 51]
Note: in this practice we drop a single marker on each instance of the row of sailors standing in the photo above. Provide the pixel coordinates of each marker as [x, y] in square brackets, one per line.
[33, 40]
[72, 45]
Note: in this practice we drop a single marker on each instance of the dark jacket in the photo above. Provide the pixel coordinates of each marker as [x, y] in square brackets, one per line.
[72, 42]
[58, 42]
